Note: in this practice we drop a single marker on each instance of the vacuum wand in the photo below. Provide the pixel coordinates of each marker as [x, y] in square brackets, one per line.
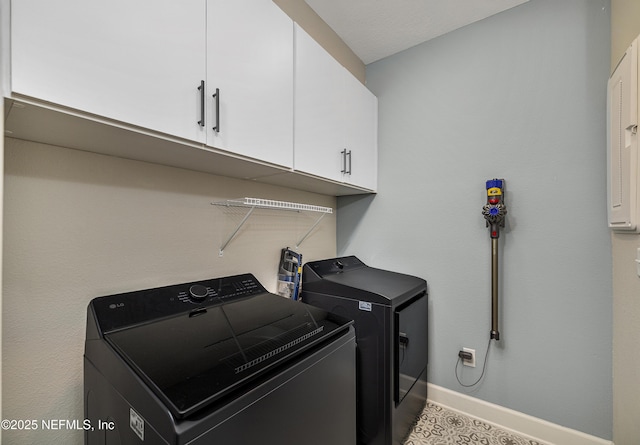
[495, 334]
[494, 212]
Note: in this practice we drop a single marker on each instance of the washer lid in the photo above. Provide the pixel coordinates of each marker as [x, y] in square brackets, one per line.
[194, 358]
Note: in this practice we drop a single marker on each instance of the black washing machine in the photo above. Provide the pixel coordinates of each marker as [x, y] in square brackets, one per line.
[390, 314]
[218, 361]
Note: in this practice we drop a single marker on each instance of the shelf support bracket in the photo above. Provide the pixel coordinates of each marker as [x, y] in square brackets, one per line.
[310, 230]
[246, 217]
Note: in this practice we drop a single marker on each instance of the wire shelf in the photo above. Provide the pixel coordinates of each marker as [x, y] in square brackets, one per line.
[272, 204]
[259, 203]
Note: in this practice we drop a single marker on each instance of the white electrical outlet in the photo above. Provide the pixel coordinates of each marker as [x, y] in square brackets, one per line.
[471, 362]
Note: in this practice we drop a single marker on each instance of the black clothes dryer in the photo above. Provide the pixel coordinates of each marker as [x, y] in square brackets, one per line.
[390, 314]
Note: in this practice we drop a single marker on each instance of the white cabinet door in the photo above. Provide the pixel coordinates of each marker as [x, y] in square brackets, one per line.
[250, 63]
[623, 163]
[319, 110]
[361, 134]
[335, 134]
[136, 61]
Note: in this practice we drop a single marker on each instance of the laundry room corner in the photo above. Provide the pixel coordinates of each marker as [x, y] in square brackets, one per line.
[521, 96]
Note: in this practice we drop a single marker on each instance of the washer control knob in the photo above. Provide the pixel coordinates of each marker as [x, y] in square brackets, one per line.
[198, 292]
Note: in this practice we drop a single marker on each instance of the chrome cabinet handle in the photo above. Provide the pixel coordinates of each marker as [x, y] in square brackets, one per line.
[346, 153]
[217, 98]
[344, 161]
[201, 89]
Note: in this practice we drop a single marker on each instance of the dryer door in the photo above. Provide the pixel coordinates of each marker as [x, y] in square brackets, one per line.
[410, 345]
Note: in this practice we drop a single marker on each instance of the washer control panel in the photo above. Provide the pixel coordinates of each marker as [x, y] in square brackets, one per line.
[131, 308]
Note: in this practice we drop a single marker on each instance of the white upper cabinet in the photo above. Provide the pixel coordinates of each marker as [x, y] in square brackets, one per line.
[135, 61]
[335, 130]
[319, 109]
[361, 134]
[143, 62]
[230, 80]
[250, 64]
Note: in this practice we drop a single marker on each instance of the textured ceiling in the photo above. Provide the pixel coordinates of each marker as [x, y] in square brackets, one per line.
[375, 29]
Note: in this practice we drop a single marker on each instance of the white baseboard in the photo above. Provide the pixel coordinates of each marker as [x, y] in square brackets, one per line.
[508, 419]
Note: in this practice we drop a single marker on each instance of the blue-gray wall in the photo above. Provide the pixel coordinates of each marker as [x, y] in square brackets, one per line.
[521, 96]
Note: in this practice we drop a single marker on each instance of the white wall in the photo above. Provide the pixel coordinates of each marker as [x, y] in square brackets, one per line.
[80, 225]
[520, 95]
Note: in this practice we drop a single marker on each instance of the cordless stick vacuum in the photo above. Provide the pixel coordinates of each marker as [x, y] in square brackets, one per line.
[494, 212]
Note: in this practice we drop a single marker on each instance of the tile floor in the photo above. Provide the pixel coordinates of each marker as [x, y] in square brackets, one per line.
[440, 426]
